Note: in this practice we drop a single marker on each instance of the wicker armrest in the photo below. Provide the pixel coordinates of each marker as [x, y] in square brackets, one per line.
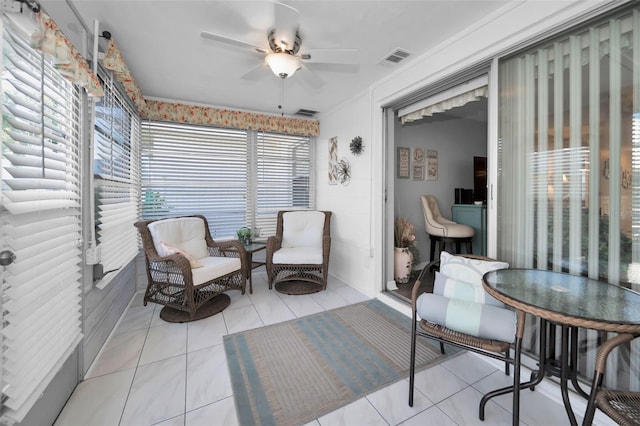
[181, 261]
[623, 406]
[273, 243]
[228, 248]
[605, 349]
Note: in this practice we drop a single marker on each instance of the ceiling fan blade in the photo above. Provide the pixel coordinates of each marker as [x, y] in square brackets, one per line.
[286, 25]
[232, 42]
[256, 73]
[330, 56]
[310, 78]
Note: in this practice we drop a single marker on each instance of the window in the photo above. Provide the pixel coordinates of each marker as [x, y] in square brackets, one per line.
[40, 223]
[282, 177]
[117, 181]
[235, 178]
[568, 187]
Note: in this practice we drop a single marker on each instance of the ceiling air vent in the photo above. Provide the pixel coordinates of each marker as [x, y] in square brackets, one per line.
[397, 56]
[306, 112]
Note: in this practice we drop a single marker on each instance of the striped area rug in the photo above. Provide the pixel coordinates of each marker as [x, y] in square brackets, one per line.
[293, 372]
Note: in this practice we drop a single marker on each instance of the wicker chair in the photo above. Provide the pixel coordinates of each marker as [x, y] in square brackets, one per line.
[621, 405]
[441, 331]
[297, 257]
[187, 271]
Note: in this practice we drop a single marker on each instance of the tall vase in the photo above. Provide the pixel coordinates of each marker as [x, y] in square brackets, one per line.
[403, 259]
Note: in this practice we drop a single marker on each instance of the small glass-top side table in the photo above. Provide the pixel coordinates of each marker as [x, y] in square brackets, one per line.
[250, 249]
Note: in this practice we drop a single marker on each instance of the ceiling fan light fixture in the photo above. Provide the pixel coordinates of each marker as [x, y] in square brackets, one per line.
[283, 64]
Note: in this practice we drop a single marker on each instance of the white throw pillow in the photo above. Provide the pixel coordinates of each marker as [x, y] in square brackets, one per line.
[168, 250]
[468, 270]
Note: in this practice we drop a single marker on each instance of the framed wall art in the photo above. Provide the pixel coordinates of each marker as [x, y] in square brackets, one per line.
[418, 155]
[418, 172]
[402, 167]
[432, 169]
[333, 160]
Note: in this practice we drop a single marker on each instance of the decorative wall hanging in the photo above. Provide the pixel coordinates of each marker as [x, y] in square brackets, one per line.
[333, 160]
[432, 165]
[402, 166]
[343, 171]
[418, 155]
[418, 172]
[356, 146]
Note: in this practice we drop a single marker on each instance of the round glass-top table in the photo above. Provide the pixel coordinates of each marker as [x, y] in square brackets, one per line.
[567, 299]
[569, 302]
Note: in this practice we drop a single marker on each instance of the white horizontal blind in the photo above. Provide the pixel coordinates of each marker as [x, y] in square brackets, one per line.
[283, 177]
[189, 169]
[117, 176]
[40, 218]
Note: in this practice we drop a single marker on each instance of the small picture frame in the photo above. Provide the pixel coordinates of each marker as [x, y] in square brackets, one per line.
[402, 167]
[418, 172]
[432, 169]
[418, 155]
[432, 153]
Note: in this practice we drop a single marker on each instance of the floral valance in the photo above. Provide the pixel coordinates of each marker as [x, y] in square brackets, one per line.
[113, 61]
[193, 114]
[50, 40]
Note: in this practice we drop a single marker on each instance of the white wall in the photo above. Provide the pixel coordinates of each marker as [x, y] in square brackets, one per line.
[359, 207]
[351, 226]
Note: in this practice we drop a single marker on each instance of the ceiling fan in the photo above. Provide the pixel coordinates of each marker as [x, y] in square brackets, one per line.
[284, 55]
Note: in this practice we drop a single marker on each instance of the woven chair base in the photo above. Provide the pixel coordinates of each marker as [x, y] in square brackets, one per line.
[210, 308]
[297, 287]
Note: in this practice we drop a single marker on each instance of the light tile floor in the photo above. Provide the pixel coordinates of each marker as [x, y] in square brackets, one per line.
[152, 372]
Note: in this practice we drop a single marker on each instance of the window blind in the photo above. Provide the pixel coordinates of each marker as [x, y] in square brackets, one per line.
[235, 178]
[117, 176]
[283, 177]
[40, 217]
[189, 169]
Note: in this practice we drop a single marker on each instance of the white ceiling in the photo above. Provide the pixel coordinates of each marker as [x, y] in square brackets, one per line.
[160, 41]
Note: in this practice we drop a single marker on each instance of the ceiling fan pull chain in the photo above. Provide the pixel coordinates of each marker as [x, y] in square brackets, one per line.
[281, 97]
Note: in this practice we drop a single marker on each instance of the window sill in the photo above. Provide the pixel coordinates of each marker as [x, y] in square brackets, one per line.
[106, 280]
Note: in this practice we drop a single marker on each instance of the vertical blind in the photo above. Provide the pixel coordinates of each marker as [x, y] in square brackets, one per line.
[117, 175]
[235, 178]
[40, 217]
[567, 178]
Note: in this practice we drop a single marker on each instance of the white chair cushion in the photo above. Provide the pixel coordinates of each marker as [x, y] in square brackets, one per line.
[477, 319]
[184, 233]
[302, 229]
[457, 230]
[214, 267]
[298, 256]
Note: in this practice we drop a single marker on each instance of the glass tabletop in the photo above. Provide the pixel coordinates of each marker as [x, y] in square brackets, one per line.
[568, 295]
[253, 247]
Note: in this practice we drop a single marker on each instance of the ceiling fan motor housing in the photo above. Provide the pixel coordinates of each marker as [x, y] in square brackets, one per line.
[281, 46]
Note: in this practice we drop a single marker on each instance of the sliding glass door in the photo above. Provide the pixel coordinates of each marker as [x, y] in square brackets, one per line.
[569, 165]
